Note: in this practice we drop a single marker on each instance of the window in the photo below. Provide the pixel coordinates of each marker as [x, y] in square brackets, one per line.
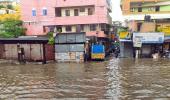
[92, 27]
[132, 9]
[59, 29]
[157, 8]
[45, 29]
[33, 12]
[58, 12]
[139, 26]
[68, 28]
[151, 9]
[78, 28]
[51, 28]
[67, 12]
[90, 11]
[82, 27]
[76, 13]
[140, 9]
[44, 11]
[82, 9]
[103, 27]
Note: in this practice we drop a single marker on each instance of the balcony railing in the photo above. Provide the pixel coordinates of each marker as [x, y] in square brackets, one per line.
[147, 0]
[144, 0]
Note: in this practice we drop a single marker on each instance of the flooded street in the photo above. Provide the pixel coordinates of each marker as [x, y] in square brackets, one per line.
[116, 79]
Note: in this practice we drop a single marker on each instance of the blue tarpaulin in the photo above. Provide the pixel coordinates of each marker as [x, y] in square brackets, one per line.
[98, 49]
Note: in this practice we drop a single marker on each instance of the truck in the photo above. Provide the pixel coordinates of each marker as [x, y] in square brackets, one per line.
[98, 52]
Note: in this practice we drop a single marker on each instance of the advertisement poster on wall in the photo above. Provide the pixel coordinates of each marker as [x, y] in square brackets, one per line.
[145, 38]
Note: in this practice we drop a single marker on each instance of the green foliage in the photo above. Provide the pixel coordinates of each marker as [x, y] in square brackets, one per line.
[11, 28]
[158, 29]
[122, 29]
[50, 34]
[51, 39]
[10, 7]
[2, 6]
[59, 31]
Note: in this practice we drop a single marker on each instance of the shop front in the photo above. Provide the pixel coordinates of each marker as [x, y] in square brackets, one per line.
[148, 44]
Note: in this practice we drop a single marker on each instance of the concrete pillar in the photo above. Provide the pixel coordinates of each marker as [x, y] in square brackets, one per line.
[137, 54]
[122, 49]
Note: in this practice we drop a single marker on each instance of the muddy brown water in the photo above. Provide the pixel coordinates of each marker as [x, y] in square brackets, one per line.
[115, 79]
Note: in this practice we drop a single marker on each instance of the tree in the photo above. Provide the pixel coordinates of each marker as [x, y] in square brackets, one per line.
[51, 39]
[4, 17]
[10, 7]
[15, 15]
[2, 6]
[11, 28]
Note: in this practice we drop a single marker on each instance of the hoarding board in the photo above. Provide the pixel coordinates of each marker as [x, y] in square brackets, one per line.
[149, 37]
[137, 42]
[166, 30]
[123, 35]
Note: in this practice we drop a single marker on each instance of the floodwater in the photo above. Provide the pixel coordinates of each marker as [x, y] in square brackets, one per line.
[116, 79]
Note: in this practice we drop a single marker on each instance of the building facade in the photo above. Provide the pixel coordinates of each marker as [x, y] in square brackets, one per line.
[148, 17]
[8, 6]
[159, 10]
[6, 2]
[143, 7]
[90, 16]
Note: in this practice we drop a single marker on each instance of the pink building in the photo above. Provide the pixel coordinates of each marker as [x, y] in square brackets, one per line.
[90, 16]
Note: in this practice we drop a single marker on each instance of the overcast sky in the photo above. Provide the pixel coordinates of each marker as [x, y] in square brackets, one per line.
[116, 12]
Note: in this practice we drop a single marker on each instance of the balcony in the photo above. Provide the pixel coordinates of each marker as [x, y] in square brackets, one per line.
[73, 20]
[74, 3]
[147, 0]
[144, 13]
[144, 0]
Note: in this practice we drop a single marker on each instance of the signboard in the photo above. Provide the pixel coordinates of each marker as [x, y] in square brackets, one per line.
[123, 35]
[166, 30]
[137, 42]
[149, 37]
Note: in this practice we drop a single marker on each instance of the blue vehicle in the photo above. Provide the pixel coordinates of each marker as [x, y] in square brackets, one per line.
[98, 52]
